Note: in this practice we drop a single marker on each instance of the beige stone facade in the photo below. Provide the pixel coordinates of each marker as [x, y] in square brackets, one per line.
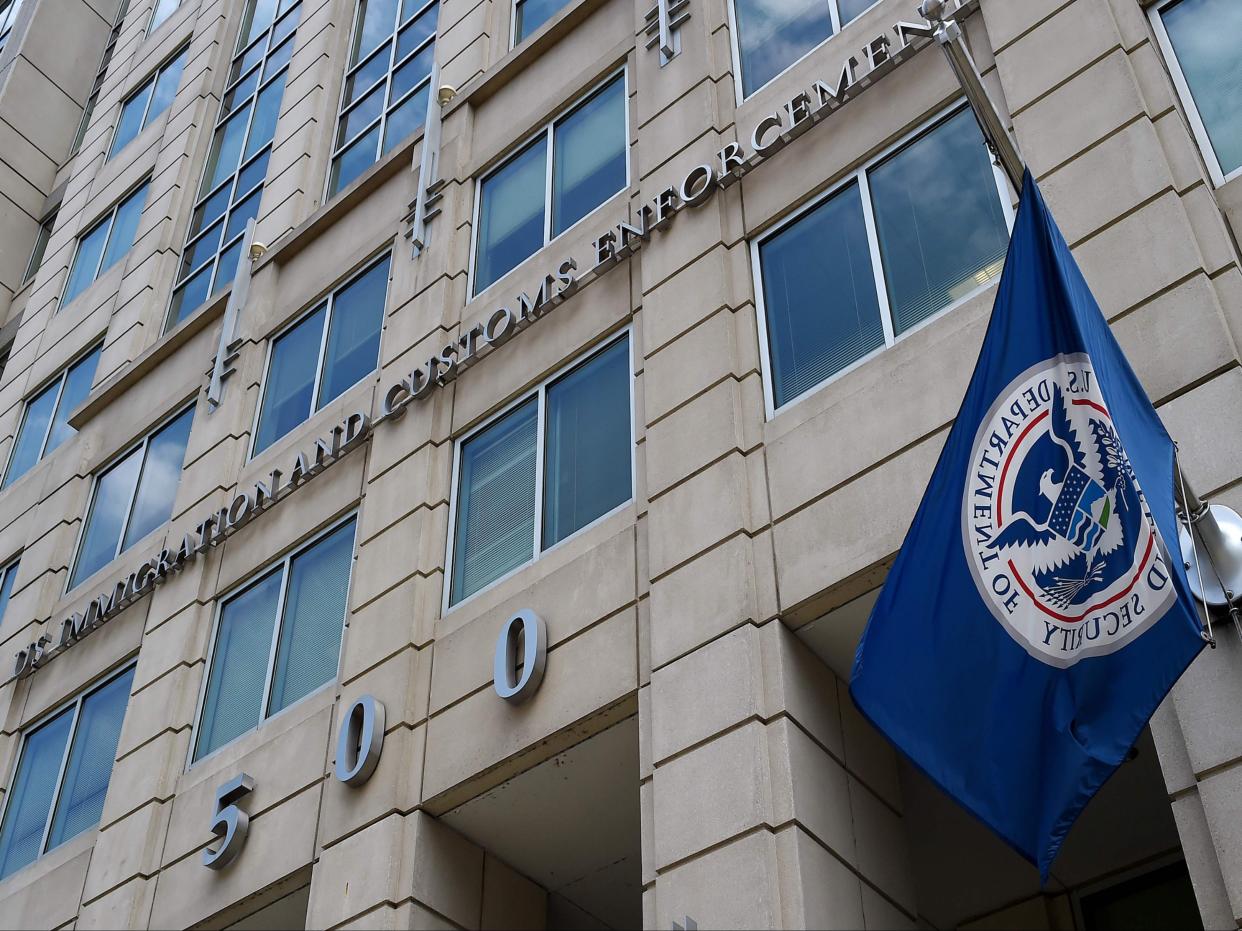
[692, 751]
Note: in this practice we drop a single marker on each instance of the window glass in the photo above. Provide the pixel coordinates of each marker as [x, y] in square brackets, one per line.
[587, 454]
[89, 767]
[45, 425]
[40, 247]
[109, 509]
[819, 296]
[354, 332]
[67, 761]
[511, 217]
[30, 799]
[1204, 35]
[852, 9]
[157, 486]
[520, 207]
[589, 156]
[310, 633]
[130, 123]
[124, 228]
[529, 15]
[304, 375]
[234, 700]
[301, 605]
[939, 220]
[163, 10]
[6, 586]
[395, 80]
[237, 163]
[496, 501]
[290, 380]
[133, 497]
[166, 86]
[773, 34]
[86, 259]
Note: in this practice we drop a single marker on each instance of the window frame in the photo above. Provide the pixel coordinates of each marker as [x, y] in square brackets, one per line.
[859, 176]
[152, 79]
[1155, 13]
[102, 469]
[76, 703]
[101, 73]
[835, 27]
[548, 132]
[514, 41]
[62, 377]
[328, 300]
[389, 107]
[10, 565]
[46, 227]
[283, 564]
[110, 218]
[540, 393]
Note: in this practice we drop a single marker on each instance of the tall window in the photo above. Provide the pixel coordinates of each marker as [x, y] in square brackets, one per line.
[40, 246]
[522, 205]
[325, 353]
[277, 640]
[7, 575]
[542, 471]
[161, 11]
[100, 74]
[387, 86]
[62, 774]
[237, 162]
[529, 15]
[100, 247]
[772, 36]
[45, 425]
[1200, 41]
[904, 238]
[132, 497]
[151, 99]
[8, 16]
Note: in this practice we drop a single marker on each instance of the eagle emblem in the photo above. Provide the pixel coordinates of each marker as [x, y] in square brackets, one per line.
[1079, 496]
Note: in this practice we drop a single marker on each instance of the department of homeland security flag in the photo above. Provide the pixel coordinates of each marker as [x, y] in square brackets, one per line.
[1037, 612]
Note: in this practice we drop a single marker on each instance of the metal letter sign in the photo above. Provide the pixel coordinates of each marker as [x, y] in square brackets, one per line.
[361, 741]
[231, 823]
[530, 628]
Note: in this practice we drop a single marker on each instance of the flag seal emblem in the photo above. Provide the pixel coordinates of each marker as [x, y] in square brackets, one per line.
[1058, 536]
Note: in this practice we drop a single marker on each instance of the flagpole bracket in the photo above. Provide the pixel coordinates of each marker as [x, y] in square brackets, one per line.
[1217, 531]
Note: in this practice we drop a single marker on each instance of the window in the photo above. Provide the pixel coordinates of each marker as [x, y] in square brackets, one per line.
[237, 161]
[529, 15]
[132, 497]
[8, 16]
[772, 36]
[163, 9]
[325, 353]
[100, 74]
[522, 205]
[148, 102]
[40, 246]
[7, 575]
[388, 85]
[905, 237]
[62, 775]
[100, 247]
[277, 640]
[558, 461]
[45, 424]
[1199, 38]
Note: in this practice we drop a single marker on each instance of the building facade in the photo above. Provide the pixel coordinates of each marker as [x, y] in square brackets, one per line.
[329, 601]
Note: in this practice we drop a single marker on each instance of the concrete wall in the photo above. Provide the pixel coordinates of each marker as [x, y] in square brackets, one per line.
[765, 800]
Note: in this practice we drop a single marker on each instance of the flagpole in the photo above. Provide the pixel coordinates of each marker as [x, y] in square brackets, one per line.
[1217, 528]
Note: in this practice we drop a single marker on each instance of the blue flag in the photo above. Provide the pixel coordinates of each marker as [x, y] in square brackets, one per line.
[1038, 611]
